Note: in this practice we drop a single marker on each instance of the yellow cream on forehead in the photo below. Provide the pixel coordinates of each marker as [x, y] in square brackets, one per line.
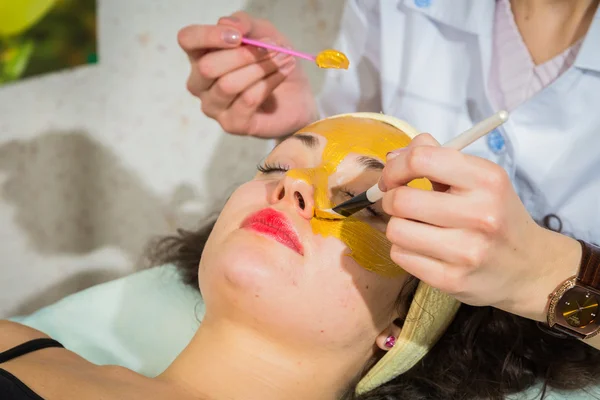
[346, 135]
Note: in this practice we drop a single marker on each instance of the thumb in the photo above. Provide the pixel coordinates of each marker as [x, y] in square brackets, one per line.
[424, 139]
[240, 21]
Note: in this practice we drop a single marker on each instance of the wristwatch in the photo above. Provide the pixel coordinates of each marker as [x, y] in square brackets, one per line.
[574, 308]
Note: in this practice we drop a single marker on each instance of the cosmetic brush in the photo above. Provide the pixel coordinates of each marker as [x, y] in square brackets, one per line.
[374, 194]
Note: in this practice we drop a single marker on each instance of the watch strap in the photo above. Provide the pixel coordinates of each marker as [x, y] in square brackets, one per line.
[568, 332]
[589, 270]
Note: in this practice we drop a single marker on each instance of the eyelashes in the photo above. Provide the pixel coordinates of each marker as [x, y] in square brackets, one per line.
[267, 168]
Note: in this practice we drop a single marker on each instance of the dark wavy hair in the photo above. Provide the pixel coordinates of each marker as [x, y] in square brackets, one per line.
[485, 353]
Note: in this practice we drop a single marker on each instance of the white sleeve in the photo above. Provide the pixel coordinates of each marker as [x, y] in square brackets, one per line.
[358, 87]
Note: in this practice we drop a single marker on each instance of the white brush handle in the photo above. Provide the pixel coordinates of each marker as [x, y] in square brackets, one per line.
[477, 131]
[458, 143]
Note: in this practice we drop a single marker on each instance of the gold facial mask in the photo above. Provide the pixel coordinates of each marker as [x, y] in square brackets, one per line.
[346, 135]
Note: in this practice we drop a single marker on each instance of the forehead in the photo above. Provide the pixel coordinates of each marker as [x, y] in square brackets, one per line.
[357, 135]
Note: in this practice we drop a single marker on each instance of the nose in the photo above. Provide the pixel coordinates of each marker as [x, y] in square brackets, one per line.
[297, 193]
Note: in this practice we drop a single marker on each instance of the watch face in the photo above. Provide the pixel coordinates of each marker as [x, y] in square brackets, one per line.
[579, 308]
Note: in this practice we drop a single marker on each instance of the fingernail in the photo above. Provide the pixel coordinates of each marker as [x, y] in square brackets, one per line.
[280, 58]
[262, 50]
[393, 154]
[230, 36]
[382, 186]
[288, 67]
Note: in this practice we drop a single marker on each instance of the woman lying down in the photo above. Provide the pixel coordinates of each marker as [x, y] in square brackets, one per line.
[303, 308]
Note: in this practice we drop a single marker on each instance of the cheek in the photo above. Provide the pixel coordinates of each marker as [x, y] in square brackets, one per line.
[368, 246]
[231, 254]
[247, 198]
[360, 287]
[348, 303]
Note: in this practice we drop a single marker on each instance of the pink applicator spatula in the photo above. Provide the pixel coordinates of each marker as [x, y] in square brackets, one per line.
[325, 59]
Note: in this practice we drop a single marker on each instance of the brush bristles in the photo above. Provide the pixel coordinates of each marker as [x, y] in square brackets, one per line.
[328, 214]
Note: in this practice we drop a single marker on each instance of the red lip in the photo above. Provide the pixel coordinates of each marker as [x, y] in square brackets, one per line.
[274, 224]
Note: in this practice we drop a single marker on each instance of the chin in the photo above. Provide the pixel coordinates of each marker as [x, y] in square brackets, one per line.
[252, 280]
[246, 262]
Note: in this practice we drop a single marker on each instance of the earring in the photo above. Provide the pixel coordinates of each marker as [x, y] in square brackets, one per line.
[390, 341]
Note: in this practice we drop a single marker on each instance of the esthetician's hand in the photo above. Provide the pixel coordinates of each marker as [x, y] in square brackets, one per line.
[247, 90]
[471, 237]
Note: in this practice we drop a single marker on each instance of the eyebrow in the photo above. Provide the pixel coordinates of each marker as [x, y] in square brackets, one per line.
[370, 163]
[309, 141]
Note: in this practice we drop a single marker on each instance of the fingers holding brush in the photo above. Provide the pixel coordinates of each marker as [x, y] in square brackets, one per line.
[472, 237]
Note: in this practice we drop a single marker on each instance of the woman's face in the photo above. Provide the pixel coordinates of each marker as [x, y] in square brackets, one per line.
[270, 264]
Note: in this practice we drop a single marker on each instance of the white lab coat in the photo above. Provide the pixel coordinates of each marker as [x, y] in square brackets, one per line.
[428, 62]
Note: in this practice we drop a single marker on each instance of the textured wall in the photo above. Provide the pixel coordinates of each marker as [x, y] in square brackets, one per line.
[97, 160]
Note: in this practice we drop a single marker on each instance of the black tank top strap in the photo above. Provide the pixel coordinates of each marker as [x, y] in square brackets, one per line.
[28, 347]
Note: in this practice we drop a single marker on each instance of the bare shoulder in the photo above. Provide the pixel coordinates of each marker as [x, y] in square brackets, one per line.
[13, 334]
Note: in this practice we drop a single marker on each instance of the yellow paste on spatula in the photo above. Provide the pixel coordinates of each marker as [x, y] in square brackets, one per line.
[332, 59]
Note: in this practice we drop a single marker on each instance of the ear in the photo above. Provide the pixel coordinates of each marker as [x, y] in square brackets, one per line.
[386, 339]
